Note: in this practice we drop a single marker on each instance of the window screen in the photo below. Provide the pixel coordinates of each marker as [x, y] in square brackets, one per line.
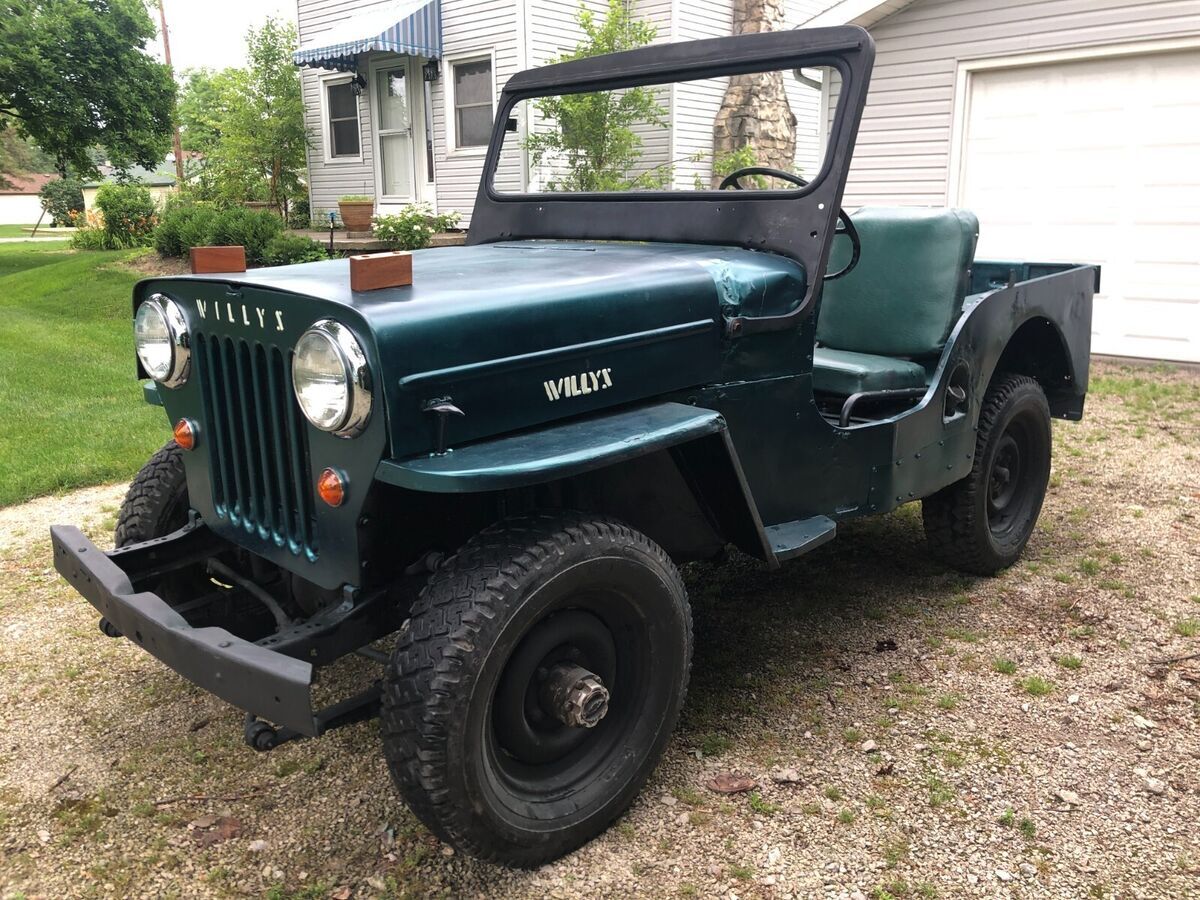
[343, 119]
[473, 103]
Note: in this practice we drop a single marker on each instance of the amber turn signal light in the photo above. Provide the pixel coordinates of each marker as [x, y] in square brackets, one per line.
[185, 434]
[331, 487]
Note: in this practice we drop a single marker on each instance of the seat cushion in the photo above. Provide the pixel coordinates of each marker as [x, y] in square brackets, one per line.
[906, 292]
[844, 373]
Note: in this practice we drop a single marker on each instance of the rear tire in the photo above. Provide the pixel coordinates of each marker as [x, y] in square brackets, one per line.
[468, 725]
[982, 523]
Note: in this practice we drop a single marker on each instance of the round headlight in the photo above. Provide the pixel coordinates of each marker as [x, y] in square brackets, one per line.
[331, 379]
[160, 337]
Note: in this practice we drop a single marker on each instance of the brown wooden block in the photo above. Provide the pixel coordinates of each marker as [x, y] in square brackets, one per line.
[211, 260]
[373, 271]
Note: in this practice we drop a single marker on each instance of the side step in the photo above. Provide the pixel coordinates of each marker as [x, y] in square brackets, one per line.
[790, 539]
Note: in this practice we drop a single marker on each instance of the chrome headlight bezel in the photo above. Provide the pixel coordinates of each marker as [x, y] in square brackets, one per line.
[355, 371]
[178, 336]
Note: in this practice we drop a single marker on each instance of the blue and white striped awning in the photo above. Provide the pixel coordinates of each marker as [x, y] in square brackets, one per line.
[412, 27]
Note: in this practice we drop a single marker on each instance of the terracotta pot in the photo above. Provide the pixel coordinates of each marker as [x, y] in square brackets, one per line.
[356, 214]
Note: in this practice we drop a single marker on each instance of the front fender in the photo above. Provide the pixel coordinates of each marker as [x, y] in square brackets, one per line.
[697, 438]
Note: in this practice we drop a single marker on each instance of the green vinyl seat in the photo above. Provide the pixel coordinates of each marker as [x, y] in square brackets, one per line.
[894, 310]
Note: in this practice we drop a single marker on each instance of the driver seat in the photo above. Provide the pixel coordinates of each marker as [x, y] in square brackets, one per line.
[883, 322]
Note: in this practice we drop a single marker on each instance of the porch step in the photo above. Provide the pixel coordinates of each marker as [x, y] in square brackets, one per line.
[790, 539]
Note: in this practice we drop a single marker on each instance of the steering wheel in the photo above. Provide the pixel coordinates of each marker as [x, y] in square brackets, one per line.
[844, 225]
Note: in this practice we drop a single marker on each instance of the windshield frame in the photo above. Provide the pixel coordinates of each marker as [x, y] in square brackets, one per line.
[797, 223]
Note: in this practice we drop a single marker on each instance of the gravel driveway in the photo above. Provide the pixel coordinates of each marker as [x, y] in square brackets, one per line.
[912, 732]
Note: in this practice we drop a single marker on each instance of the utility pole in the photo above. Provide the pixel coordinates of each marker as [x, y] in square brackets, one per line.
[162, 13]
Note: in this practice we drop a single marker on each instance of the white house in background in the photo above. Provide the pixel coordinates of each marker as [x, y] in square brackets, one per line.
[1071, 128]
[20, 203]
[400, 94]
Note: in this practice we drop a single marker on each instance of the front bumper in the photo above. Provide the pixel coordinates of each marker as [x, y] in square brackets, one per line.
[263, 682]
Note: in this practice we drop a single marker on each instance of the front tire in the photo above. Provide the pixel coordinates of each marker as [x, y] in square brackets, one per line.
[472, 739]
[157, 500]
[982, 523]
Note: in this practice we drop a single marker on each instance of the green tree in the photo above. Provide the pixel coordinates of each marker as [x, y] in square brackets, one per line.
[591, 135]
[62, 198]
[249, 123]
[205, 99]
[75, 74]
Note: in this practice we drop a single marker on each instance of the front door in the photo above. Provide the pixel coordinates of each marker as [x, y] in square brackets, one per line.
[399, 178]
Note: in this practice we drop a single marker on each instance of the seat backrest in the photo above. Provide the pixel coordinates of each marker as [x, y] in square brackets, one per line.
[907, 290]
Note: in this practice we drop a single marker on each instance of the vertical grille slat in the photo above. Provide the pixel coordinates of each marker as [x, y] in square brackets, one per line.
[299, 469]
[272, 519]
[258, 446]
[280, 430]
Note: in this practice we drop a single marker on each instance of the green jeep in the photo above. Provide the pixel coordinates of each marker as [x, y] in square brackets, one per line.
[501, 465]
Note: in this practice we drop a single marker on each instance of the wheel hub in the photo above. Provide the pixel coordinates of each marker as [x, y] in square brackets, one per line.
[574, 696]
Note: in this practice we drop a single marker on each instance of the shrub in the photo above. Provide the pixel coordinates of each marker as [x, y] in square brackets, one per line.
[299, 214]
[185, 225]
[412, 228]
[250, 228]
[63, 199]
[292, 248]
[129, 215]
[91, 235]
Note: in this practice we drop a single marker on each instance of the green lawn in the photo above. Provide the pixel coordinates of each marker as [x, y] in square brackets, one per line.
[24, 230]
[71, 409]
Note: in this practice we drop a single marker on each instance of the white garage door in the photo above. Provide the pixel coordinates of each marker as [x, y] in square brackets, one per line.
[1097, 161]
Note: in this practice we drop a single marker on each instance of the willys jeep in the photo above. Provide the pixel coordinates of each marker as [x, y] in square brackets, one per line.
[499, 466]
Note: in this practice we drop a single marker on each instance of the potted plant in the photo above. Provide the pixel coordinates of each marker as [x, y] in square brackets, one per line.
[356, 211]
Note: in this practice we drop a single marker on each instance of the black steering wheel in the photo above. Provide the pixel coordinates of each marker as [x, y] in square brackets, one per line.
[844, 225]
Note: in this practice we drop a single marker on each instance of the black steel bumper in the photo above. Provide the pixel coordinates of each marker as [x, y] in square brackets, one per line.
[261, 681]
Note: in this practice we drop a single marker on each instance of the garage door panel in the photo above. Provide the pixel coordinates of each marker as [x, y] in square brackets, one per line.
[1097, 161]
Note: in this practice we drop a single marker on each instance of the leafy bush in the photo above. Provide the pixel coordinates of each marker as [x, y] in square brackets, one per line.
[63, 199]
[299, 214]
[252, 229]
[185, 225]
[130, 215]
[91, 235]
[292, 248]
[412, 228]
[196, 224]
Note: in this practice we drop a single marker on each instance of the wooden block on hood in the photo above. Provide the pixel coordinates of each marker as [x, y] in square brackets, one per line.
[214, 260]
[372, 271]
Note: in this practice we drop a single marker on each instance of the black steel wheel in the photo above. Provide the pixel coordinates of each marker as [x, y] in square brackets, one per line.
[982, 523]
[535, 685]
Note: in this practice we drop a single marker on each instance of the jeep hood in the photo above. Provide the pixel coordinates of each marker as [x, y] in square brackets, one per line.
[520, 333]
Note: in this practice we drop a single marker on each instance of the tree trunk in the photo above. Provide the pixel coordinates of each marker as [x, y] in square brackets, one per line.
[755, 109]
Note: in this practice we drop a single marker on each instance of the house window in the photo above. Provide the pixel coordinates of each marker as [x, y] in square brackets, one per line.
[472, 102]
[341, 107]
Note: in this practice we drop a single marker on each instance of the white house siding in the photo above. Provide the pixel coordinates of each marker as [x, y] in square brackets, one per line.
[330, 180]
[696, 102]
[470, 27]
[20, 209]
[903, 152]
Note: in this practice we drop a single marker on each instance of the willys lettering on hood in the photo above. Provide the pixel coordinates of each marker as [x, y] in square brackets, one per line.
[236, 313]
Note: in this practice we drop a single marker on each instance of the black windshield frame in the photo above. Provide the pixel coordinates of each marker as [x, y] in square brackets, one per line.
[797, 223]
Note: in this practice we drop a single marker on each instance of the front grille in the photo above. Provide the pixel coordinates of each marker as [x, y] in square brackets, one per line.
[258, 453]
